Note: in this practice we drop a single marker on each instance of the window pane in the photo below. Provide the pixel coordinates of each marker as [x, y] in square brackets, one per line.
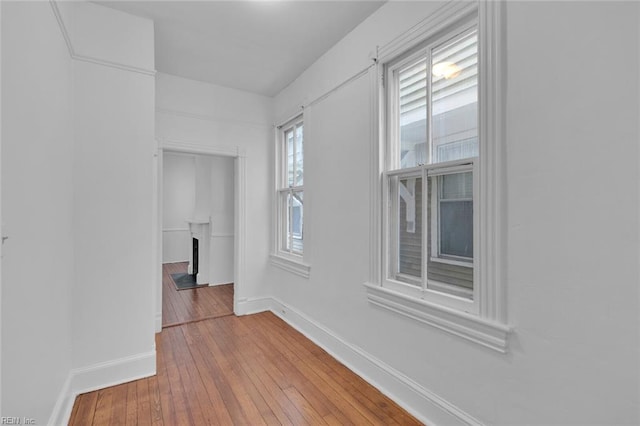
[456, 228]
[289, 173]
[407, 238]
[299, 157]
[456, 214]
[297, 222]
[454, 99]
[413, 114]
[285, 202]
[450, 234]
[456, 186]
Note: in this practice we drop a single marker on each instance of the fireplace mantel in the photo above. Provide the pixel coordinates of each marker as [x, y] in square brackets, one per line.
[199, 229]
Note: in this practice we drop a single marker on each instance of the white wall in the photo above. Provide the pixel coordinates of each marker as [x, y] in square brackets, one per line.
[179, 195]
[114, 205]
[37, 210]
[572, 221]
[195, 114]
[221, 211]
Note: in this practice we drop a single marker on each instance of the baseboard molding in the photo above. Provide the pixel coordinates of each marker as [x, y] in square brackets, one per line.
[218, 284]
[158, 322]
[62, 410]
[115, 372]
[248, 306]
[100, 376]
[425, 405]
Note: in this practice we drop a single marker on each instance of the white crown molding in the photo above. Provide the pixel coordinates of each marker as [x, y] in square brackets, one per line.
[211, 118]
[85, 58]
[198, 148]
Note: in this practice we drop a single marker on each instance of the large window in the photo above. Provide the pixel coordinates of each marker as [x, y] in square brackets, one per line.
[290, 191]
[438, 253]
[432, 145]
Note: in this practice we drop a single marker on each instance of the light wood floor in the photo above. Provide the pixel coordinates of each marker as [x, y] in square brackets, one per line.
[179, 307]
[249, 370]
[228, 370]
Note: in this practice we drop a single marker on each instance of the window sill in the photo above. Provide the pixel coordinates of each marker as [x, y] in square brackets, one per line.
[290, 264]
[475, 329]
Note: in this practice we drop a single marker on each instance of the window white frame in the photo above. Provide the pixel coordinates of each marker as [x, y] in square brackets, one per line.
[285, 254]
[486, 322]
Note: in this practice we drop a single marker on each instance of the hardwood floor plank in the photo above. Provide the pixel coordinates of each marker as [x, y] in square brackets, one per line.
[183, 306]
[216, 404]
[74, 413]
[333, 371]
[309, 414]
[103, 407]
[341, 404]
[318, 367]
[86, 408]
[144, 406]
[250, 370]
[118, 405]
[236, 382]
[276, 399]
[131, 417]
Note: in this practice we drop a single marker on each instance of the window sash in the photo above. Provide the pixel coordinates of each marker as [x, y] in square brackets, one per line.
[286, 234]
[422, 287]
[291, 175]
[393, 109]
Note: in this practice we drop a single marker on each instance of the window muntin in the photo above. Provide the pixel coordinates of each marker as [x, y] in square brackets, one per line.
[432, 119]
[290, 189]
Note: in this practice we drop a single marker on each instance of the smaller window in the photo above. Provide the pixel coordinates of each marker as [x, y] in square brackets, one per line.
[290, 191]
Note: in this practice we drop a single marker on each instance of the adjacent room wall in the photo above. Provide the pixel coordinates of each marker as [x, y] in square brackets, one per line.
[221, 211]
[572, 225]
[37, 211]
[179, 195]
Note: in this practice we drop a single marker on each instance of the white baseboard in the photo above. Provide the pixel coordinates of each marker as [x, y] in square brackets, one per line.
[423, 404]
[62, 410]
[222, 283]
[158, 322]
[255, 305]
[100, 376]
[115, 372]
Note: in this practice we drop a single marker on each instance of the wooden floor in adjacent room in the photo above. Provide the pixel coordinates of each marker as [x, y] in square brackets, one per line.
[249, 370]
[182, 306]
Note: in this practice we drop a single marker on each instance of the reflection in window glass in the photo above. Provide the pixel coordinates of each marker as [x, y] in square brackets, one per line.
[413, 114]
[454, 99]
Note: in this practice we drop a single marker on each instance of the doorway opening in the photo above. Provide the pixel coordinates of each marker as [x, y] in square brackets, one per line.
[200, 194]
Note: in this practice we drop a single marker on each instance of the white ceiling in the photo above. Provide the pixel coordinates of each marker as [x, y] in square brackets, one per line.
[258, 46]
